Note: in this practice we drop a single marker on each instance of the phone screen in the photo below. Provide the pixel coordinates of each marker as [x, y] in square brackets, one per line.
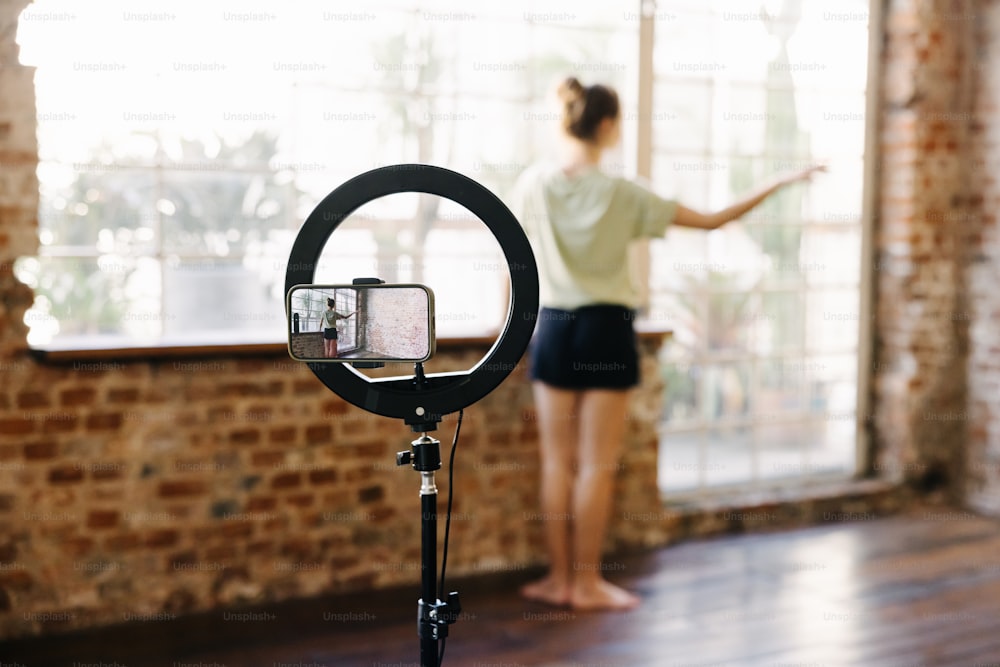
[360, 323]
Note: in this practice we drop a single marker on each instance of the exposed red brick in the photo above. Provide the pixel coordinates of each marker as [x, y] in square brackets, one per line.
[354, 426]
[359, 474]
[123, 542]
[220, 414]
[282, 436]
[59, 422]
[258, 413]
[245, 437]
[333, 406]
[98, 519]
[123, 395]
[183, 559]
[286, 480]
[66, 474]
[179, 488]
[260, 547]
[247, 389]
[16, 580]
[275, 524]
[221, 553]
[76, 397]
[300, 499]
[8, 552]
[267, 459]
[32, 399]
[235, 529]
[323, 476]
[340, 497]
[16, 426]
[77, 546]
[104, 422]
[200, 392]
[299, 549]
[343, 562]
[166, 537]
[261, 503]
[371, 494]
[383, 515]
[319, 434]
[307, 387]
[45, 449]
[372, 449]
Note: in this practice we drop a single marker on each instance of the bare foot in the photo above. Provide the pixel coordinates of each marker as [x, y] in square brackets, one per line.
[602, 595]
[547, 590]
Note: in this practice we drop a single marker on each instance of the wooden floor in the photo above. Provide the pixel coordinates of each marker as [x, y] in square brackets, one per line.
[917, 589]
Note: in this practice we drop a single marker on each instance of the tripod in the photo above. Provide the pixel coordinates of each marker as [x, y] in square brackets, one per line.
[433, 615]
[447, 392]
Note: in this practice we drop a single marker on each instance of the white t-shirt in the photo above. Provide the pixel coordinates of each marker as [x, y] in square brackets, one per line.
[330, 318]
[580, 229]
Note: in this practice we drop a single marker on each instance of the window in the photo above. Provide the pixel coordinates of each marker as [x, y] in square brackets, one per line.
[761, 375]
[308, 306]
[182, 150]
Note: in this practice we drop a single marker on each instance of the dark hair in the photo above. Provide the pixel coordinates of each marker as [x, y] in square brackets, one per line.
[329, 302]
[584, 107]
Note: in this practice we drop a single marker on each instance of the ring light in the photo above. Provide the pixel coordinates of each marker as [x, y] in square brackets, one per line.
[424, 401]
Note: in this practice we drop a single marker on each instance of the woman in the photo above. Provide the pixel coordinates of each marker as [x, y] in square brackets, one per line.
[329, 322]
[584, 358]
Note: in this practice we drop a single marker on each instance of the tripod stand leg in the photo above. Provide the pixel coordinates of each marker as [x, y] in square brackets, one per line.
[426, 612]
[433, 615]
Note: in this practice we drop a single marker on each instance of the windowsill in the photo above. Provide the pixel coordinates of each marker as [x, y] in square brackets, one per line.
[117, 351]
[820, 489]
[60, 355]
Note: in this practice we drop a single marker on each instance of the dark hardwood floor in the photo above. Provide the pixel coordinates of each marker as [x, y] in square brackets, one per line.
[918, 589]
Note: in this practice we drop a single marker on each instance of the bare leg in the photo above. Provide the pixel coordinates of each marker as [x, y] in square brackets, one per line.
[557, 426]
[602, 433]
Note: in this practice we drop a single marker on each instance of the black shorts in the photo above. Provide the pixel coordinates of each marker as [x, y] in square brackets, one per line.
[593, 347]
[330, 334]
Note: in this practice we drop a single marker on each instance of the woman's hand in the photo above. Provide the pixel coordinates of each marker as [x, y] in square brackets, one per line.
[802, 175]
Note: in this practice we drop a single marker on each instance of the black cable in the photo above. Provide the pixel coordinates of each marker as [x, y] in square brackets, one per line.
[447, 521]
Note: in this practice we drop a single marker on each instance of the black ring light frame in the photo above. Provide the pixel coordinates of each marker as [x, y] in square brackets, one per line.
[421, 402]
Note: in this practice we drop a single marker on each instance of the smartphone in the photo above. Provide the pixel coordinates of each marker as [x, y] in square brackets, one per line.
[360, 323]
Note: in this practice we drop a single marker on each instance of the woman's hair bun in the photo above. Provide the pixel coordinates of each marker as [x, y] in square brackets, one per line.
[585, 107]
[571, 90]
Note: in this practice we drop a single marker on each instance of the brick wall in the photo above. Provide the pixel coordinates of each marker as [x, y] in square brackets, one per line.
[140, 490]
[936, 411]
[147, 489]
[395, 323]
[930, 172]
[982, 463]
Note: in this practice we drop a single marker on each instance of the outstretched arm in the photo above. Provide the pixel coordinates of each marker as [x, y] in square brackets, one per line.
[686, 217]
